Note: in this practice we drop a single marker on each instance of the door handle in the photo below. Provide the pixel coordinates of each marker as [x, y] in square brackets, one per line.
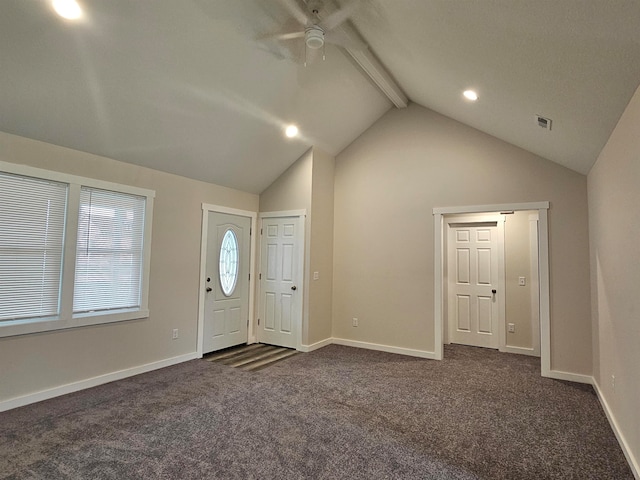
[294, 288]
[494, 291]
[209, 289]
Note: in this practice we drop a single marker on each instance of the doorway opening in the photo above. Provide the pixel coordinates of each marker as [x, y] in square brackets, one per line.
[474, 304]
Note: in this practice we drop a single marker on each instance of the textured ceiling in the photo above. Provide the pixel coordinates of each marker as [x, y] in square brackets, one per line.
[183, 87]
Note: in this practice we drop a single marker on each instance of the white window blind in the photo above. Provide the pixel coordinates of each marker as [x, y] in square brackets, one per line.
[109, 254]
[32, 220]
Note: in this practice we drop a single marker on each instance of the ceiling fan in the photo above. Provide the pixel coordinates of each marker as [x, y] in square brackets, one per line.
[317, 26]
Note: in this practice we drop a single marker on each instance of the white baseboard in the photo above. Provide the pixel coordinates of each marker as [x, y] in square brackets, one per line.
[634, 464]
[570, 377]
[92, 382]
[385, 348]
[520, 351]
[317, 345]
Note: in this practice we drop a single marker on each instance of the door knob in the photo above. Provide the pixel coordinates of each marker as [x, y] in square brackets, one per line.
[494, 291]
[294, 288]
[209, 289]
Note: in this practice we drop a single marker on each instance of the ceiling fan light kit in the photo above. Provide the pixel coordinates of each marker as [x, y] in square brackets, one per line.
[314, 37]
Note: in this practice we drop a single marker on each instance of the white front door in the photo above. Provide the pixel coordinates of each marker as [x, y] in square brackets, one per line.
[226, 307]
[473, 262]
[280, 314]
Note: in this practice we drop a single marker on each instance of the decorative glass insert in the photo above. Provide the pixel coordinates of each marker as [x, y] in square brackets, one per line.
[228, 263]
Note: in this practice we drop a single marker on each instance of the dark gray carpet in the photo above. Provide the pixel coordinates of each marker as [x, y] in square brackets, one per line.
[254, 357]
[338, 412]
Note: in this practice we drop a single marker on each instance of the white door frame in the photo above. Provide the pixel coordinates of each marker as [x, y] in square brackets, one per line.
[302, 217]
[543, 270]
[501, 286]
[206, 209]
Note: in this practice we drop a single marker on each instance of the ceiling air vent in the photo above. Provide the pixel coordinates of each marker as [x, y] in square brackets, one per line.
[543, 122]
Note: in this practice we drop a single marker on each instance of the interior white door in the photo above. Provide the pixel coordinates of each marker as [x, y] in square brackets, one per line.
[226, 307]
[473, 263]
[280, 315]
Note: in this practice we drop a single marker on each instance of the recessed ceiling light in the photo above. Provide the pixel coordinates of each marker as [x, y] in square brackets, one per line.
[291, 131]
[470, 95]
[68, 9]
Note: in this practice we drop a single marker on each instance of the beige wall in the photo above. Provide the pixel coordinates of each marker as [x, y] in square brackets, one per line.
[32, 363]
[517, 263]
[386, 185]
[321, 247]
[614, 228]
[308, 185]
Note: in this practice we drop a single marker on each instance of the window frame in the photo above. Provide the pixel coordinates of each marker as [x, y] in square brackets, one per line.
[66, 318]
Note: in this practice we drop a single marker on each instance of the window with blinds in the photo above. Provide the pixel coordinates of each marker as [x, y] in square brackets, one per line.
[41, 242]
[32, 226]
[109, 253]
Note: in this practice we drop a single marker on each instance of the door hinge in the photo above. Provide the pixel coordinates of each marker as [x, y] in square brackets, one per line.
[260, 277]
[260, 231]
[247, 322]
[249, 277]
[250, 231]
[258, 321]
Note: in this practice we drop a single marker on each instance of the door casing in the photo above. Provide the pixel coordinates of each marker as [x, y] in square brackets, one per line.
[206, 209]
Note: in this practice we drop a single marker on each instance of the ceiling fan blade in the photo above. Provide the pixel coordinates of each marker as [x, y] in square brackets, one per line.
[281, 36]
[297, 11]
[341, 15]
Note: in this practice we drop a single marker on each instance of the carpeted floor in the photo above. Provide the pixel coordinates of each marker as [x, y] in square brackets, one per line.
[335, 413]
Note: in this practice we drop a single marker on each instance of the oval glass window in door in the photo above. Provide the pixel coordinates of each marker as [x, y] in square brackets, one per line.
[228, 268]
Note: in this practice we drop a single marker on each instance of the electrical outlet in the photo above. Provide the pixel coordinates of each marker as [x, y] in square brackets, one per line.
[354, 322]
[316, 275]
[613, 383]
[175, 333]
[511, 327]
[522, 281]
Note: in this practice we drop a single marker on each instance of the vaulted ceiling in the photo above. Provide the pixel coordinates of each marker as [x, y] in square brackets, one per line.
[185, 87]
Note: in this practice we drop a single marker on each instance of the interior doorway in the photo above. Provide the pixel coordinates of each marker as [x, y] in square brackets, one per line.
[539, 300]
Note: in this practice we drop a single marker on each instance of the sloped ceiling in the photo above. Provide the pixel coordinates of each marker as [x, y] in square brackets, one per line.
[179, 86]
[576, 62]
[183, 87]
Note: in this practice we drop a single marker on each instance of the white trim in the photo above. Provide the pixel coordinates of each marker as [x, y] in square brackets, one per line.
[520, 351]
[570, 377]
[439, 299]
[68, 178]
[284, 213]
[633, 462]
[498, 207]
[543, 279]
[92, 382]
[534, 283]
[317, 345]
[385, 348]
[206, 209]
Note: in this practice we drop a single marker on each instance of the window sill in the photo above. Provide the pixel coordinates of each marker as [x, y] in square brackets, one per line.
[40, 325]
